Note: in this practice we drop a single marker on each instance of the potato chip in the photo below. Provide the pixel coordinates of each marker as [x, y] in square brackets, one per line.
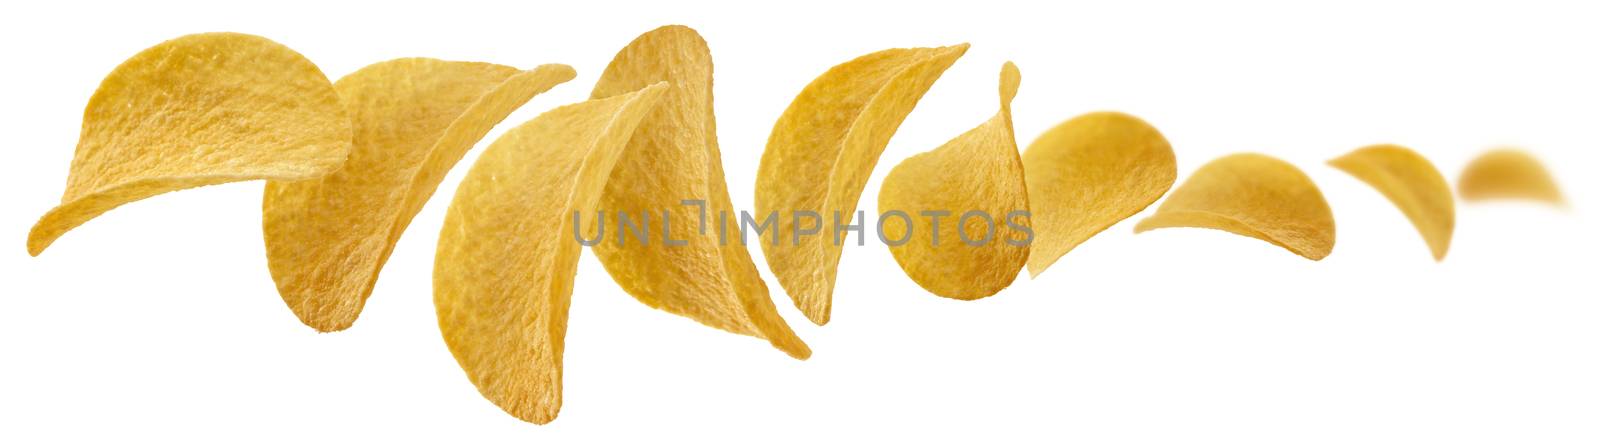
[1508, 174]
[673, 157]
[823, 149]
[202, 109]
[1089, 173]
[502, 277]
[1251, 195]
[327, 238]
[1413, 184]
[977, 179]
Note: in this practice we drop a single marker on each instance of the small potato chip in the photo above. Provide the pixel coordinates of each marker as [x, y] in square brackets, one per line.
[201, 109]
[674, 157]
[977, 178]
[822, 151]
[1413, 184]
[502, 277]
[1251, 195]
[327, 238]
[1508, 174]
[1089, 173]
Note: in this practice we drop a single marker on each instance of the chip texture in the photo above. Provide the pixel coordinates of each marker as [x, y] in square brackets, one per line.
[1252, 195]
[502, 278]
[822, 151]
[1410, 181]
[327, 238]
[201, 109]
[672, 158]
[1508, 174]
[1087, 174]
[977, 180]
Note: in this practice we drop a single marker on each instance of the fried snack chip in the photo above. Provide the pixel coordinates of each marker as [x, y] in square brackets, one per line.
[674, 157]
[1089, 173]
[822, 151]
[327, 238]
[502, 277]
[1413, 184]
[201, 109]
[1508, 174]
[978, 178]
[1251, 195]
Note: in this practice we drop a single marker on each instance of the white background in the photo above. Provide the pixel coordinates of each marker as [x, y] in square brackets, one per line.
[158, 322]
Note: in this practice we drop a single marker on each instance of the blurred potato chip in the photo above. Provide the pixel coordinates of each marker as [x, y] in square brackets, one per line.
[674, 157]
[199, 110]
[977, 177]
[327, 238]
[1089, 173]
[1508, 174]
[1251, 195]
[502, 278]
[822, 151]
[1413, 184]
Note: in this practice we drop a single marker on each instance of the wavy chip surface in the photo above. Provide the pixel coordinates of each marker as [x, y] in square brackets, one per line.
[1508, 174]
[1089, 173]
[502, 277]
[1252, 195]
[199, 110]
[821, 153]
[1410, 181]
[327, 238]
[977, 179]
[673, 157]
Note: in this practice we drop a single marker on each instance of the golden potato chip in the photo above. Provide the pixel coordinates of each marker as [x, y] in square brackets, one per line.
[502, 277]
[672, 158]
[199, 110]
[1251, 195]
[823, 149]
[1508, 174]
[328, 237]
[1089, 173]
[1413, 184]
[975, 180]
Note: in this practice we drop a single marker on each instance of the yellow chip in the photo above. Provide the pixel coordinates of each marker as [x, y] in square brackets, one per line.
[502, 277]
[1251, 195]
[1413, 184]
[1089, 173]
[974, 184]
[199, 110]
[823, 149]
[327, 238]
[673, 157]
[1508, 174]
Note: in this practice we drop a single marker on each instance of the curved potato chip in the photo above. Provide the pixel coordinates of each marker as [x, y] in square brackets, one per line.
[502, 277]
[201, 109]
[1508, 174]
[674, 157]
[823, 149]
[327, 238]
[1251, 195]
[1413, 184]
[977, 177]
[1089, 173]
